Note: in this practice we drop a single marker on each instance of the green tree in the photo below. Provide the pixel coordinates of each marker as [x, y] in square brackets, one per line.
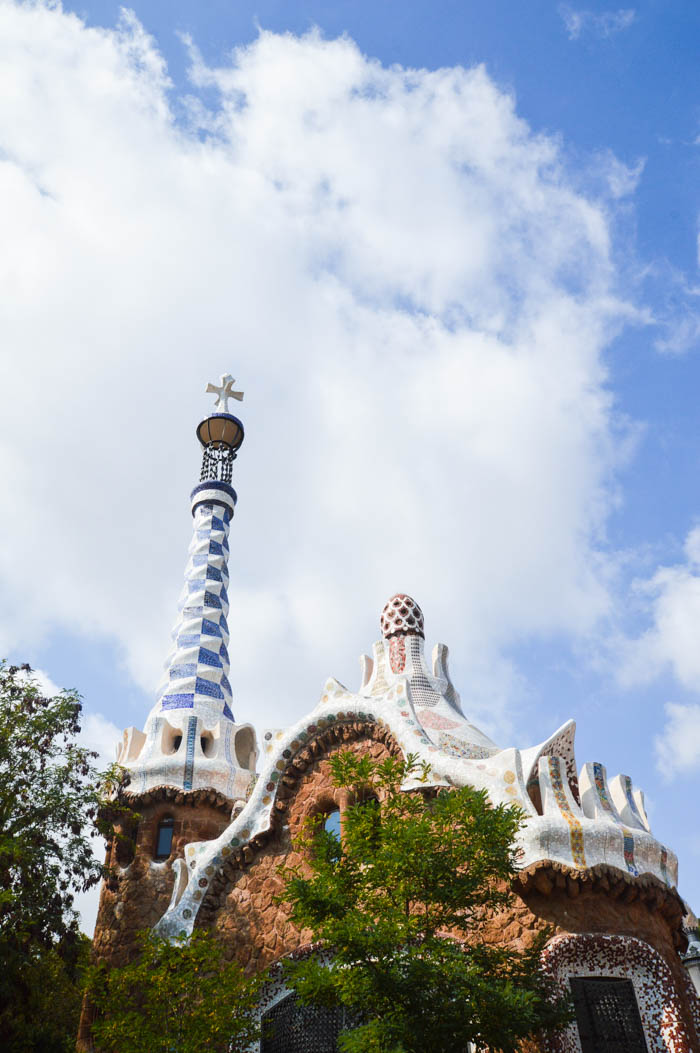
[45, 1018]
[179, 997]
[403, 903]
[50, 799]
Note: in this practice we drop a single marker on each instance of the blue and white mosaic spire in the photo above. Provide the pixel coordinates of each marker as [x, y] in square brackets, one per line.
[191, 739]
[197, 668]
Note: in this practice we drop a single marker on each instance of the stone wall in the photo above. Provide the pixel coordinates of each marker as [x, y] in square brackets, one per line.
[241, 908]
[254, 928]
[138, 893]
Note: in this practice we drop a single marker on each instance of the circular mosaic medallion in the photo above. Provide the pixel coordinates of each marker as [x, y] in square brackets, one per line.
[509, 776]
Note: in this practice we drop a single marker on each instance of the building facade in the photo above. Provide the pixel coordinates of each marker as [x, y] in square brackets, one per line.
[219, 813]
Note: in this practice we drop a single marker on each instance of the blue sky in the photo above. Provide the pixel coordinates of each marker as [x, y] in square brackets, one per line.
[464, 306]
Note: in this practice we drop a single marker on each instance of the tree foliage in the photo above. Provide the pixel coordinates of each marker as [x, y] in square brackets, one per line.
[43, 1013]
[405, 902]
[179, 997]
[50, 800]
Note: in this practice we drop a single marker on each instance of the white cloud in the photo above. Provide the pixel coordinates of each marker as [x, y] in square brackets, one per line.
[623, 179]
[402, 276]
[678, 747]
[42, 680]
[97, 732]
[603, 24]
[672, 595]
[101, 735]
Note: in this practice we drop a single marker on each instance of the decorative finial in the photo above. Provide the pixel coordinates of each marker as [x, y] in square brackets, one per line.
[402, 617]
[224, 391]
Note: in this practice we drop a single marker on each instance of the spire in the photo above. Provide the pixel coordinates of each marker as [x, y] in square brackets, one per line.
[191, 730]
[197, 668]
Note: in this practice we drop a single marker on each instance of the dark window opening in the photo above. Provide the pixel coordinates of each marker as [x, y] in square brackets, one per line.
[176, 743]
[535, 794]
[164, 838]
[290, 1027]
[125, 844]
[607, 1015]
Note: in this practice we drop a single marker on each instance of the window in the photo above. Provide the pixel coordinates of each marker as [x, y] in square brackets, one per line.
[164, 837]
[125, 843]
[331, 824]
[607, 1015]
[290, 1027]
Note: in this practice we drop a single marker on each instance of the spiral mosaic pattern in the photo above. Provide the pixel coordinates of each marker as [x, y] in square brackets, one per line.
[197, 668]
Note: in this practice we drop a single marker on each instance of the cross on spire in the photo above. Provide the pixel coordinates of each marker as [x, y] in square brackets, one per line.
[224, 391]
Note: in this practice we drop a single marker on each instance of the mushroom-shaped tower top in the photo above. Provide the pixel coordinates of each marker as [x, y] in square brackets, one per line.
[402, 617]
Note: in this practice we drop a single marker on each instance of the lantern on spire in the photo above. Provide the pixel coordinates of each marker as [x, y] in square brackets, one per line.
[221, 434]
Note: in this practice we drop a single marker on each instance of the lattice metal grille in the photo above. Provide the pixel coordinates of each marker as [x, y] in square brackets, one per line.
[607, 1015]
[217, 462]
[290, 1027]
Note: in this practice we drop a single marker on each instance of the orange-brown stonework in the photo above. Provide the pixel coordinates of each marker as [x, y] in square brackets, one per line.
[241, 907]
[138, 893]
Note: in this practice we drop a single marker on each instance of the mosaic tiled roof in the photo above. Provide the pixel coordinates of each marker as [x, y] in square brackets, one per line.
[402, 616]
[575, 820]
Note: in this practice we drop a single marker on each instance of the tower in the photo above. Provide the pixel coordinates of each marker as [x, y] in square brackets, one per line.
[191, 739]
[192, 765]
[212, 836]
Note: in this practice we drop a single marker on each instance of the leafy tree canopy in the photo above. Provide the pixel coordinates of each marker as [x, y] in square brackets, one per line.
[406, 903]
[180, 997]
[50, 801]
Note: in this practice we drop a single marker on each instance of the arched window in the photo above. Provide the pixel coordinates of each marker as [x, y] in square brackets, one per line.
[164, 837]
[290, 1027]
[331, 823]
